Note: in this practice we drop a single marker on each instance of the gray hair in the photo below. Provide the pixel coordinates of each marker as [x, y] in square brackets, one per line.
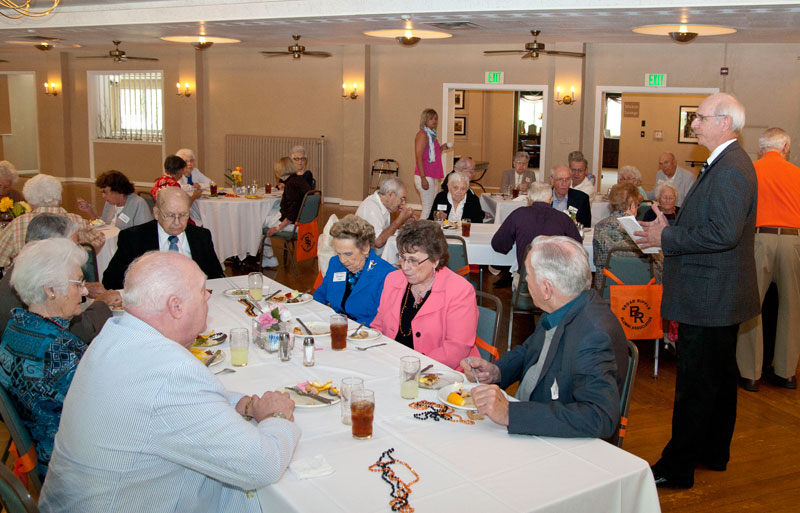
[457, 177]
[463, 163]
[772, 139]
[561, 261]
[522, 155]
[185, 153]
[8, 172]
[298, 149]
[668, 184]
[152, 279]
[557, 166]
[540, 191]
[391, 185]
[45, 263]
[577, 156]
[631, 171]
[43, 191]
[728, 105]
[49, 226]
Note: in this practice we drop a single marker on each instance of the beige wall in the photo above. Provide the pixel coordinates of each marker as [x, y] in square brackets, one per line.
[21, 146]
[659, 112]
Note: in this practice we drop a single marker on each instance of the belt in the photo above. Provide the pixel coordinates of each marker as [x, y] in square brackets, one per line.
[777, 231]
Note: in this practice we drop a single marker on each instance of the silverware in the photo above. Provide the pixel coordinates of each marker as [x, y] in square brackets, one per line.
[370, 347]
[356, 331]
[225, 371]
[253, 302]
[214, 357]
[473, 372]
[271, 295]
[426, 368]
[313, 396]
[219, 336]
[304, 326]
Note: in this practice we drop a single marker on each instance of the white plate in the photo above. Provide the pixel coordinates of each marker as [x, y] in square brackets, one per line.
[301, 401]
[300, 300]
[237, 293]
[218, 361]
[446, 378]
[318, 329]
[371, 335]
[445, 391]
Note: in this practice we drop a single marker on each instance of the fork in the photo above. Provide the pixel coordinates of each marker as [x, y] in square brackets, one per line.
[370, 347]
[225, 371]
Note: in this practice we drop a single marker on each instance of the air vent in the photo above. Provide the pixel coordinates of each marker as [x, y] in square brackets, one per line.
[454, 25]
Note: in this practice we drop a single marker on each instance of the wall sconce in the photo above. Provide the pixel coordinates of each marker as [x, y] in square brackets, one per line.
[50, 88]
[567, 99]
[352, 94]
[185, 91]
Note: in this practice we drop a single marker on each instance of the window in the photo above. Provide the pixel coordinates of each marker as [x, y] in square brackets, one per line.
[129, 106]
[613, 127]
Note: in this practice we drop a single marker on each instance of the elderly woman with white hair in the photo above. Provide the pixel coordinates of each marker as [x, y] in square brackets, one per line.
[43, 192]
[296, 187]
[666, 194]
[38, 353]
[631, 174]
[8, 177]
[192, 177]
[455, 204]
[300, 161]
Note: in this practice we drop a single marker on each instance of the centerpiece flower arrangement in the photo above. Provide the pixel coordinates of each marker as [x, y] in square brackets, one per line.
[235, 176]
[269, 324]
[9, 209]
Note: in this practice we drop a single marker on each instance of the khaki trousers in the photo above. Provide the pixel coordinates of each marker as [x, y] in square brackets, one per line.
[777, 260]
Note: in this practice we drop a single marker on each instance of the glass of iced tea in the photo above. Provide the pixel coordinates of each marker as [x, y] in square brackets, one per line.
[338, 332]
[239, 340]
[515, 191]
[268, 188]
[362, 411]
[213, 188]
[465, 227]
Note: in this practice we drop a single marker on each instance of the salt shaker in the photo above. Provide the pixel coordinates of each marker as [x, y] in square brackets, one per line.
[308, 352]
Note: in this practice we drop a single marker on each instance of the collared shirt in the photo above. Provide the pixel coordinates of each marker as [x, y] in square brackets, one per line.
[197, 177]
[455, 213]
[778, 191]
[163, 182]
[12, 237]
[163, 242]
[714, 154]
[558, 204]
[551, 320]
[373, 211]
[682, 179]
[586, 186]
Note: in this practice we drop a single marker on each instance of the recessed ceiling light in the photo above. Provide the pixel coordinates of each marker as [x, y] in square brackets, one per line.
[200, 39]
[683, 31]
[408, 36]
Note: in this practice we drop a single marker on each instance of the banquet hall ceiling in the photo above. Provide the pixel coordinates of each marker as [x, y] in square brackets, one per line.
[94, 23]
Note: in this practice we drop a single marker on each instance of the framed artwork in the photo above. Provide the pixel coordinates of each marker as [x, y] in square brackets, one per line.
[459, 125]
[686, 134]
[458, 95]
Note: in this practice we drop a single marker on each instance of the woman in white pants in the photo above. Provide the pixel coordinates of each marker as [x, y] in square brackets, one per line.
[428, 159]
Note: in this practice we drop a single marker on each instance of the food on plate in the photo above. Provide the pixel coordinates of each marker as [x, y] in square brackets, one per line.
[362, 334]
[201, 354]
[294, 296]
[97, 222]
[314, 387]
[251, 196]
[461, 397]
[429, 380]
[238, 292]
[205, 341]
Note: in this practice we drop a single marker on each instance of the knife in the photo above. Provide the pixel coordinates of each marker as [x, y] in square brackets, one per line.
[304, 326]
[313, 396]
[214, 357]
[271, 295]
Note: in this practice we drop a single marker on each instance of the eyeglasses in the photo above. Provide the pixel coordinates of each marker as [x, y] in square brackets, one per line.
[175, 217]
[562, 180]
[299, 158]
[81, 283]
[403, 260]
[520, 162]
[701, 117]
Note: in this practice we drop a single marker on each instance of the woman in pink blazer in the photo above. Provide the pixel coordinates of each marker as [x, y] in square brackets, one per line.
[425, 305]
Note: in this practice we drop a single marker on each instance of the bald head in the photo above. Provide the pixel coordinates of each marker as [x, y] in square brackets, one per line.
[667, 164]
[560, 179]
[172, 210]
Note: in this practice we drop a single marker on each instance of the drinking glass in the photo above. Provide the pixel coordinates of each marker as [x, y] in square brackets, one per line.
[240, 340]
[409, 371]
[348, 385]
[362, 411]
[466, 225]
[338, 332]
[255, 282]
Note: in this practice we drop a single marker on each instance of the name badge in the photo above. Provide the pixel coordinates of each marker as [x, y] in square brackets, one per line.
[441, 207]
[554, 391]
[339, 276]
[125, 219]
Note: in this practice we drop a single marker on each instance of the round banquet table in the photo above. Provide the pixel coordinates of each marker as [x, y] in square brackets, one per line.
[235, 223]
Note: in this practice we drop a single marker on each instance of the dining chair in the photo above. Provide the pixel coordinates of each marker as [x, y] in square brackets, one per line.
[148, 198]
[642, 210]
[483, 168]
[459, 260]
[488, 325]
[382, 167]
[521, 300]
[13, 495]
[309, 209]
[90, 271]
[20, 437]
[627, 391]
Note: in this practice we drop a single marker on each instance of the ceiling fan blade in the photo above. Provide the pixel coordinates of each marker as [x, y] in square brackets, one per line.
[503, 52]
[93, 57]
[128, 57]
[563, 54]
[527, 55]
[316, 54]
[275, 54]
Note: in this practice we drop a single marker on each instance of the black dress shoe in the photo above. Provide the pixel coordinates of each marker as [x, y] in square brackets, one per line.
[663, 481]
[790, 383]
[503, 282]
[716, 467]
[751, 385]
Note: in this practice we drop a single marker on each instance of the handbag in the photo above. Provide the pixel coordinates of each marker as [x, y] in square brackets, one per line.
[637, 308]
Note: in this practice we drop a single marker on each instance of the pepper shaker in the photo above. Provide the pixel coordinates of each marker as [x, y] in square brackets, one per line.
[308, 352]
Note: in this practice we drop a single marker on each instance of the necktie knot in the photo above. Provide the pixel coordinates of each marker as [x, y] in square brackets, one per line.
[189, 180]
[173, 243]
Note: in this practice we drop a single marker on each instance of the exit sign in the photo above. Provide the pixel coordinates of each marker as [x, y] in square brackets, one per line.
[494, 77]
[655, 80]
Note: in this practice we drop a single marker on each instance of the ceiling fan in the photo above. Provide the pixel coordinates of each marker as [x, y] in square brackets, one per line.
[296, 51]
[118, 55]
[534, 49]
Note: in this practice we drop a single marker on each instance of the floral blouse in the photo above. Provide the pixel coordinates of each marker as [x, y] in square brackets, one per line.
[608, 235]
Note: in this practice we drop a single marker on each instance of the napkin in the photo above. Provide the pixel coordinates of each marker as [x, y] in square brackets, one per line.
[310, 468]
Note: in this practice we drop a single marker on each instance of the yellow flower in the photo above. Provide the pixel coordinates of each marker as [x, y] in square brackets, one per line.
[6, 204]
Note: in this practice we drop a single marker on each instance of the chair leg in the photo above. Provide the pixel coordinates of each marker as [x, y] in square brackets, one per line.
[655, 360]
[510, 327]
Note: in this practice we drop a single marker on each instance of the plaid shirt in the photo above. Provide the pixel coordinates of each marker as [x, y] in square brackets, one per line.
[12, 238]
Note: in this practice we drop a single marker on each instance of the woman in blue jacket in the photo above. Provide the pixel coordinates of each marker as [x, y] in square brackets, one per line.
[354, 281]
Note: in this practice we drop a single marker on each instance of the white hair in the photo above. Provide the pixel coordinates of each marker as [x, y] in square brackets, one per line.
[298, 149]
[49, 226]
[457, 177]
[522, 155]
[42, 191]
[8, 172]
[391, 185]
[185, 153]
[668, 184]
[561, 261]
[153, 278]
[772, 139]
[540, 192]
[45, 263]
[631, 171]
[464, 163]
[728, 105]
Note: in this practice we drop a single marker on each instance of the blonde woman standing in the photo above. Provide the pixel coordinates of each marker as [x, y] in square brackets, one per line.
[428, 159]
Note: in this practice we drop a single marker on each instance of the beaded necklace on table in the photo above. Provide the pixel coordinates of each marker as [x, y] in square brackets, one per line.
[400, 489]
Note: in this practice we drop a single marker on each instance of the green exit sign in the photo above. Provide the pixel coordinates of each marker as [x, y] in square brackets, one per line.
[655, 80]
[494, 77]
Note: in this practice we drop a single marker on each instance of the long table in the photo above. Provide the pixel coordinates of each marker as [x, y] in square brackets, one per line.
[462, 467]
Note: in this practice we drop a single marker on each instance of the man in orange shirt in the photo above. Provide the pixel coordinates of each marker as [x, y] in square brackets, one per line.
[777, 246]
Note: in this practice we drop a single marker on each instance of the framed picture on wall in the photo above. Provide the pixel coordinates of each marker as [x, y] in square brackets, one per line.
[459, 125]
[686, 134]
[458, 95]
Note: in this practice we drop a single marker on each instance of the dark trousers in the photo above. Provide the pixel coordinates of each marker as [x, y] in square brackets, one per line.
[704, 414]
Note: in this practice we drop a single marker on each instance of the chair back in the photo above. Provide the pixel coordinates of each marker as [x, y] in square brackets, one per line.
[18, 432]
[642, 210]
[458, 261]
[521, 300]
[309, 208]
[632, 270]
[627, 390]
[148, 198]
[90, 272]
[488, 325]
[13, 495]
[385, 166]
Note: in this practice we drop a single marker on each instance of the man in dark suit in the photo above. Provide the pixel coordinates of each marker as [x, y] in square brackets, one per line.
[168, 232]
[565, 197]
[573, 366]
[709, 288]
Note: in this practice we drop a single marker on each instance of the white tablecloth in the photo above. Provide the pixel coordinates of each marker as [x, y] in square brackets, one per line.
[500, 207]
[600, 210]
[109, 248]
[235, 223]
[461, 467]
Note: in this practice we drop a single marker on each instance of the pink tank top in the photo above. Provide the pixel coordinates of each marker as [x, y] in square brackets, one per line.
[432, 169]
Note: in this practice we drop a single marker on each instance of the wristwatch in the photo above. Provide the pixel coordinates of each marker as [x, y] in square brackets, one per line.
[278, 415]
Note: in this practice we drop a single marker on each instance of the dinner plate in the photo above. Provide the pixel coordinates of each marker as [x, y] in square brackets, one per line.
[301, 401]
[445, 391]
[237, 293]
[318, 328]
[207, 342]
[364, 335]
[217, 362]
[443, 378]
[299, 300]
